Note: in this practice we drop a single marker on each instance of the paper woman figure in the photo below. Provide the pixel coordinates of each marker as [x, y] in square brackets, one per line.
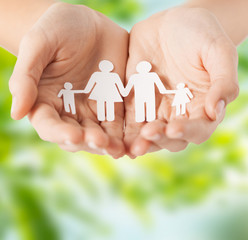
[69, 97]
[104, 86]
[144, 87]
[182, 97]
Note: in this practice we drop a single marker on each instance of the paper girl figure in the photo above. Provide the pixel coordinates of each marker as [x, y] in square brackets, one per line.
[144, 87]
[69, 97]
[182, 97]
[105, 85]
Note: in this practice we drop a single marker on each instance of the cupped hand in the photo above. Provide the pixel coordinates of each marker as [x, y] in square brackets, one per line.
[185, 45]
[66, 45]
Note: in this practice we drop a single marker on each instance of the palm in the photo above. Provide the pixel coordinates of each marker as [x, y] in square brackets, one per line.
[76, 53]
[179, 52]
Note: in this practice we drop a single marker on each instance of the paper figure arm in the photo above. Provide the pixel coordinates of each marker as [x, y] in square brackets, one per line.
[160, 85]
[60, 94]
[170, 92]
[90, 84]
[120, 86]
[79, 91]
[189, 93]
[128, 87]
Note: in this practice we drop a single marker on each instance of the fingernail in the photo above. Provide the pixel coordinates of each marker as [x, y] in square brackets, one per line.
[14, 105]
[92, 145]
[220, 108]
[68, 143]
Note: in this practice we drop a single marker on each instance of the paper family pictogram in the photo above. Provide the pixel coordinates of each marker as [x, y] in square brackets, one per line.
[107, 89]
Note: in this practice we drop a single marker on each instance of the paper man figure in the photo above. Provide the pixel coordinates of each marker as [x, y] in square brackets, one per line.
[69, 97]
[182, 97]
[105, 85]
[144, 87]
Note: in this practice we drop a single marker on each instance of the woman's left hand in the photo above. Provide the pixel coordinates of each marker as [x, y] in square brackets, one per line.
[184, 45]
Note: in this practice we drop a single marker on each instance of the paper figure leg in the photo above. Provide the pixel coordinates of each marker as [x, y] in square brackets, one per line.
[178, 110]
[73, 108]
[183, 109]
[101, 111]
[110, 111]
[150, 111]
[67, 108]
[140, 112]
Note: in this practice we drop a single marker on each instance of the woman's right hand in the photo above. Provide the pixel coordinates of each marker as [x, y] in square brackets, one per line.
[67, 44]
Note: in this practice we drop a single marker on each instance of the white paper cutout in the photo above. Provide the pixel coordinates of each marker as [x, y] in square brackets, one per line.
[106, 89]
[182, 96]
[104, 86]
[144, 87]
[69, 97]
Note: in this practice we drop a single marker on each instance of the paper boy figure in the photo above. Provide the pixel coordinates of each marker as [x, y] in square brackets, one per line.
[105, 85]
[144, 87]
[69, 97]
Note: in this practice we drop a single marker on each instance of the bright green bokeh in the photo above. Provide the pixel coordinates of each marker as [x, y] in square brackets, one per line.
[46, 193]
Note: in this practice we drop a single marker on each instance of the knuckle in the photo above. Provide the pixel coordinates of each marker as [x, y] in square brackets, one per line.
[235, 90]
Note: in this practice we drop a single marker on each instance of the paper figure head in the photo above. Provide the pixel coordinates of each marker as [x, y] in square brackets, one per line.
[106, 66]
[68, 86]
[144, 67]
[180, 86]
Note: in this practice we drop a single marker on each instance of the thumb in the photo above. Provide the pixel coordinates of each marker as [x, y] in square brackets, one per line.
[222, 66]
[31, 61]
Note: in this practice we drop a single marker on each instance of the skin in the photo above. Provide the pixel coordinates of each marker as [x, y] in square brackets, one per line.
[58, 42]
[51, 54]
[184, 45]
[232, 15]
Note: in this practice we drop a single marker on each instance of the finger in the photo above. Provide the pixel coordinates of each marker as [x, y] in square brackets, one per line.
[136, 145]
[81, 147]
[193, 130]
[94, 140]
[33, 57]
[115, 130]
[221, 64]
[67, 132]
[94, 136]
[50, 127]
[132, 131]
[155, 132]
[140, 147]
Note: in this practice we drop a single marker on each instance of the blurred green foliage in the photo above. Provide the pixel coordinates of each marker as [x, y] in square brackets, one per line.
[41, 187]
[121, 10]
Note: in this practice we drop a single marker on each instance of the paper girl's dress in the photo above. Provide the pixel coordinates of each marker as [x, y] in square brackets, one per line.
[181, 97]
[105, 88]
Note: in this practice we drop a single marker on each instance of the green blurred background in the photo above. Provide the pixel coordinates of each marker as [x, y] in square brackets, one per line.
[199, 194]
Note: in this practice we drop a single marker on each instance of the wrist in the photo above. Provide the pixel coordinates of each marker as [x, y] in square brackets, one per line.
[235, 25]
[20, 16]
